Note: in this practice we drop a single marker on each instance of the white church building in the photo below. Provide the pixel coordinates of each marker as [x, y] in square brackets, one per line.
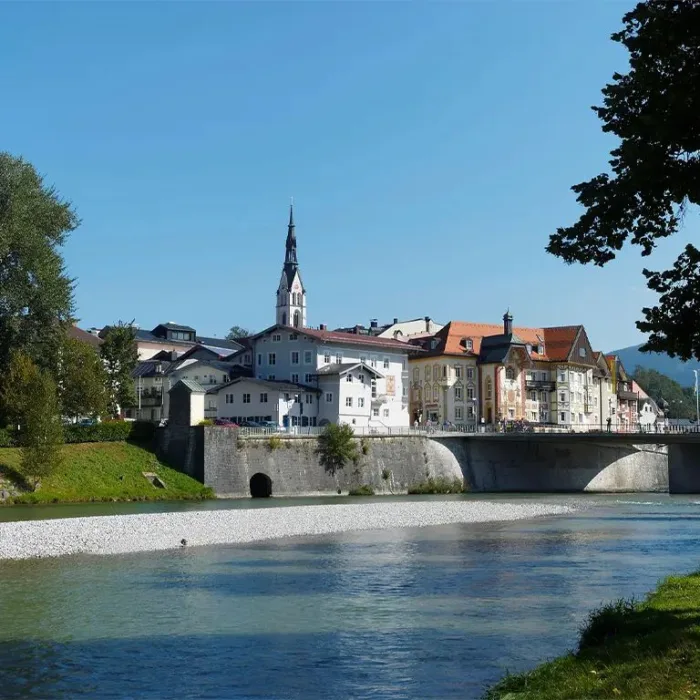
[307, 376]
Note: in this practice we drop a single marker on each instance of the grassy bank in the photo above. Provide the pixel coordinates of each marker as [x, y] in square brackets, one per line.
[646, 651]
[103, 471]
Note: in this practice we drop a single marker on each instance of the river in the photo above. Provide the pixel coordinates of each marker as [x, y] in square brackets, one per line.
[438, 612]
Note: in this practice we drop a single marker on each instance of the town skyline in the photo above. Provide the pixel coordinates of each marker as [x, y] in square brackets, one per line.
[430, 154]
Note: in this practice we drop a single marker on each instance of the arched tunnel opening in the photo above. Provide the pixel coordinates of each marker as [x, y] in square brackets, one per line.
[260, 486]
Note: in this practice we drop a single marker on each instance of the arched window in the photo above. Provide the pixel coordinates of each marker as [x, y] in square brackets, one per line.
[488, 387]
[296, 319]
[284, 319]
[510, 373]
[435, 393]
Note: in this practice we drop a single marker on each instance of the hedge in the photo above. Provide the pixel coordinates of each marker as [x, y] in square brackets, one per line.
[110, 431]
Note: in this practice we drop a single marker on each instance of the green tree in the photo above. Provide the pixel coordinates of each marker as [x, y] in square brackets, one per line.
[31, 395]
[36, 295]
[681, 401]
[83, 380]
[120, 356]
[337, 446]
[653, 110]
[237, 332]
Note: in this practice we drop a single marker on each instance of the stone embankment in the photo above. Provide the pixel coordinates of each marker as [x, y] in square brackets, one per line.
[121, 534]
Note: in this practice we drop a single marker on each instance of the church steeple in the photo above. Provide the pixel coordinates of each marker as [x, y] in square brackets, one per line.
[291, 295]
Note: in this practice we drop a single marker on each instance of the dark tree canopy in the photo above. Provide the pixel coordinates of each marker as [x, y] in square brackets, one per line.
[237, 332]
[36, 295]
[681, 400]
[654, 110]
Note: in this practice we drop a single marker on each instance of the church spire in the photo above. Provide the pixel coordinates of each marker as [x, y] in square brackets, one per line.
[291, 246]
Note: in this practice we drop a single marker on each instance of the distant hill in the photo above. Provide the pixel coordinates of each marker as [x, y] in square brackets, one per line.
[682, 372]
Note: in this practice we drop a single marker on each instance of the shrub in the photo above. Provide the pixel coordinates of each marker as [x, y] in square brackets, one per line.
[8, 438]
[364, 446]
[206, 422]
[386, 474]
[336, 446]
[275, 442]
[364, 490]
[110, 431]
[437, 485]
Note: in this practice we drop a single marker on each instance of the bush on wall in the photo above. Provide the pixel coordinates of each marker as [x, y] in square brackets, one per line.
[110, 431]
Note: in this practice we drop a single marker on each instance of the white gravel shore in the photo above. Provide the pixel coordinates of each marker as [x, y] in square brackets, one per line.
[120, 534]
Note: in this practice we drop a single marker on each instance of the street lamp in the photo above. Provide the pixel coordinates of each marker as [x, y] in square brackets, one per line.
[697, 400]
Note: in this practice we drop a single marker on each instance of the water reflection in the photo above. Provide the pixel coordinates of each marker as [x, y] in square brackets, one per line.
[414, 613]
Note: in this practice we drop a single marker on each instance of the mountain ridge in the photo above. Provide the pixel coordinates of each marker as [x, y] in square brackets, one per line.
[681, 372]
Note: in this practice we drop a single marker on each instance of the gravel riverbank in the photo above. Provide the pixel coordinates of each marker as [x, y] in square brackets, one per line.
[120, 534]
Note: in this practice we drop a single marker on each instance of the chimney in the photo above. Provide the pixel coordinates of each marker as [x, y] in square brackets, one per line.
[322, 327]
[427, 324]
[396, 320]
[507, 323]
[373, 323]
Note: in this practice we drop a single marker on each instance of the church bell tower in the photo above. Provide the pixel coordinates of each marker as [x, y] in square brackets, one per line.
[291, 295]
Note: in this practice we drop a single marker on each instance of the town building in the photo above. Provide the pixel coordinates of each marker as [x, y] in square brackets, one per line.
[445, 379]
[626, 412]
[399, 330]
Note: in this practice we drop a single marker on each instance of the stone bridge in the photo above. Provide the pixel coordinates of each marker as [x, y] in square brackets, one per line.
[235, 465]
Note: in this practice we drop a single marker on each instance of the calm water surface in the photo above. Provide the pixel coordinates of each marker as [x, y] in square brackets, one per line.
[417, 613]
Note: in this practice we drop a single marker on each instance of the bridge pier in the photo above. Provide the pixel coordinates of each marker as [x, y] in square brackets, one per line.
[684, 468]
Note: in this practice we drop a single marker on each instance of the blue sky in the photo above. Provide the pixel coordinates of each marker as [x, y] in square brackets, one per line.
[429, 149]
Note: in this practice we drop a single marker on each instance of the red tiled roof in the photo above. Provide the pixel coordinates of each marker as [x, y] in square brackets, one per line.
[557, 340]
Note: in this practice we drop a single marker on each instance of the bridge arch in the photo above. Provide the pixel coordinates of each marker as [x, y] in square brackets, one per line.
[260, 486]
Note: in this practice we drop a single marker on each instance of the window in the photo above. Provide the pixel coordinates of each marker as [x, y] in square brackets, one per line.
[510, 373]
[562, 417]
[229, 398]
[259, 358]
[416, 374]
[374, 388]
[562, 376]
[263, 398]
[580, 417]
[287, 397]
[276, 338]
[470, 392]
[470, 411]
[544, 376]
[543, 396]
[582, 352]
[308, 379]
[363, 358]
[348, 377]
[327, 358]
[470, 373]
[295, 358]
[375, 412]
[458, 372]
[444, 371]
[511, 413]
[386, 363]
[544, 416]
[436, 372]
[348, 401]
[435, 393]
[246, 398]
[533, 396]
[339, 358]
[562, 396]
[295, 379]
[385, 413]
[308, 357]
[271, 358]
[458, 393]
[293, 336]
[271, 377]
[329, 398]
[361, 378]
[488, 387]
[297, 398]
[458, 413]
[360, 403]
[309, 398]
[573, 417]
[373, 360]
[533, 415]
[427, 372]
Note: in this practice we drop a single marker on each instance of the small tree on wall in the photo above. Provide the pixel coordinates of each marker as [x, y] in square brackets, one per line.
[336, 447]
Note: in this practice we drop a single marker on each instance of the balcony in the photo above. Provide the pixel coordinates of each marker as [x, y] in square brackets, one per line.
[626, 395]
[541, 384]
[150, 397]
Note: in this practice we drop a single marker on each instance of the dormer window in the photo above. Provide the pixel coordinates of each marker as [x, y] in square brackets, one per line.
[510, 373]
[433, 343]
[466, 344]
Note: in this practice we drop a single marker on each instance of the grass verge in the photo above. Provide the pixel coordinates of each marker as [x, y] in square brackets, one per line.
[106, 471]
[643, 650]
